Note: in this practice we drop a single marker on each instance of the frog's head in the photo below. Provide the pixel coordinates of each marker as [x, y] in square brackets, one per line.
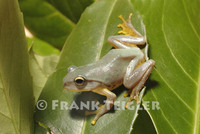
[77, 80]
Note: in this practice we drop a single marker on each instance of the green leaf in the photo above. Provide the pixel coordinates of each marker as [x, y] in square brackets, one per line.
[173, 35]
[41, 67]
[43, 60]
[71, 10]
[16, 102]
[86, 44]
[143, 123]
[46, 22]
[42, 47]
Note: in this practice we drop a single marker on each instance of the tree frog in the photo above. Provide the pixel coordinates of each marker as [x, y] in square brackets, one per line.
[124, 65]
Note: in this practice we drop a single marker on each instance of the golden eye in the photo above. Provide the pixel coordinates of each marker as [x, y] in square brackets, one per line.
[79, 80]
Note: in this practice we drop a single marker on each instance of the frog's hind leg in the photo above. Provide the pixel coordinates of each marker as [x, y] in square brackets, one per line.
[131, 36]
[127, 27]
[125, 41]
[137, 79]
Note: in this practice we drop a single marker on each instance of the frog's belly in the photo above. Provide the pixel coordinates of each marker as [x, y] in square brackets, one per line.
[112, 87]
[115, 78]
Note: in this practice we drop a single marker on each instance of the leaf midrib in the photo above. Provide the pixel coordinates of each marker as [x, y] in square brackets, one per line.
[105, 27]
[197, 109]
[100, 50]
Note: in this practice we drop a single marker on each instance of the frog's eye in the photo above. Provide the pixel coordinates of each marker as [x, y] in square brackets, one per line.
[80, 80]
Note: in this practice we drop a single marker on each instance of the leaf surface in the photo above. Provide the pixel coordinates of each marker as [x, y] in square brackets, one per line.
[16, 102]
[71, 10]
[143, 123]
[46, 22]
[41, 68]
[173, 35]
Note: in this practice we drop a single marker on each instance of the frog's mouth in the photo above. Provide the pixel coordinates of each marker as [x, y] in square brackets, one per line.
[65, 86]
[80, 90]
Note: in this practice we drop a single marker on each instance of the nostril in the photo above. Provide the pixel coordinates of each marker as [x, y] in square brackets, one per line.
[64, 84]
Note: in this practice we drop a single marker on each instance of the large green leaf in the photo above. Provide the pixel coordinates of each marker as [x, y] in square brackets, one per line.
[16, 102]
[46, 22]
[173, 34]
[86, 44]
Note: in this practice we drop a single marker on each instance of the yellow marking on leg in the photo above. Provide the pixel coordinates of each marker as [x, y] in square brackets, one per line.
[126, 94]
[113, 45]
[140, 63]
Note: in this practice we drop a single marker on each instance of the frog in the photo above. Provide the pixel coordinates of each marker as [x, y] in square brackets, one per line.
[124, 65]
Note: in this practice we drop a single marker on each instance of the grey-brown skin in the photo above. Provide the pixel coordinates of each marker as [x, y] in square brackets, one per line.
[123, 65]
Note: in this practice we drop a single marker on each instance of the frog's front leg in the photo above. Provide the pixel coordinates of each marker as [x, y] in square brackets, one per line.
[135, 80]
[107, 106]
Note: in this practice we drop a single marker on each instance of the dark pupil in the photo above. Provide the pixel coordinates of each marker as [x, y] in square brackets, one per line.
[79, 81]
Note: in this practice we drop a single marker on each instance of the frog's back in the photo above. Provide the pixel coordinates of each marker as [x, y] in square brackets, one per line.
[122, 55]
[111, 69]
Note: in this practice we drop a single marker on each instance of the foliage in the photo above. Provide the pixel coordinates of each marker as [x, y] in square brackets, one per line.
[35, 68]
[16, 112]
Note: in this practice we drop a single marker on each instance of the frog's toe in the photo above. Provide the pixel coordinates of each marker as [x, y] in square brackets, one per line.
[120, 25]
[127, 105]
[122, 18]
[122, 32]
[93, 122]
[127, 27]
[136, 97]
[129, 18]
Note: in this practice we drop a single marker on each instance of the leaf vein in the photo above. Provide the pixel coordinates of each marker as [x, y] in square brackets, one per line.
[196, 124]
[105, 27]
[5, 116]
[60, 14]
[164, 115]
[187, 14]
[9, 105]
[197, 54]
[167, 44]
[178, 96]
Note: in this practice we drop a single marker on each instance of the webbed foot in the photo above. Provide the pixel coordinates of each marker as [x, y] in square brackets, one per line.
[127, 27]
[107, 106]
[134, 96]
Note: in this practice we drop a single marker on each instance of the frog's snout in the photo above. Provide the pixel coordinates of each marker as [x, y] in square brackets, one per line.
[64, 84]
